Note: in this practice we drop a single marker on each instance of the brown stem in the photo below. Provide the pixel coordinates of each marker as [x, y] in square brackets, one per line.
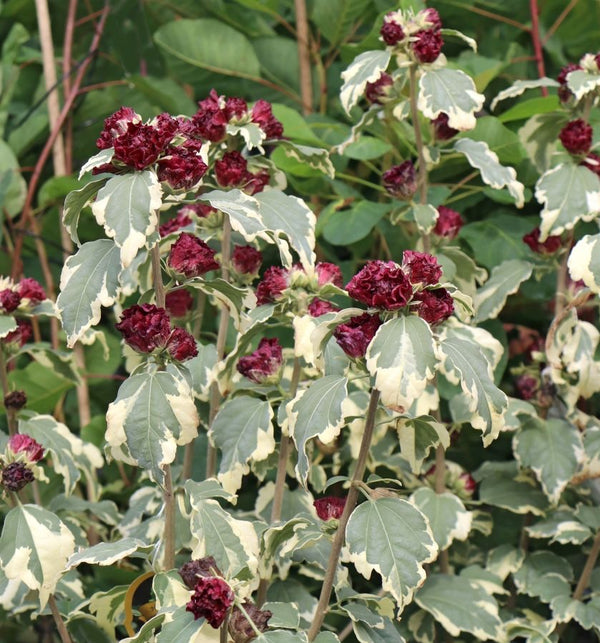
[302, 38]
[584, 579]
[60, 624]
[564, 13]
[159, 288]
[340, 534]
[440, 487]
[494, 16]
[169, 533]
[537, 44]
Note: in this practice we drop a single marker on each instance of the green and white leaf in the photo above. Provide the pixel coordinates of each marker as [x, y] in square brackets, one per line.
[152, 414]
[504, 280]
[100, 158]
[459, 605]
[365, 68]
[392, 537]
[127, 207]
[251, 132]
[519, 86]
[561, 526]
[425, 217]
[202, 369]
[497, 176]
[569, 193]
[315, 158]
[582, 82]
[234, 297]
[243, 211]
[60, 361]
[545, 575]
[459, 34]
[34, 548]
[89, 280]
[7, 325]
[281, 636]
[316, 412]
[504, 560]
[552, 449]
[283, 614]
[402, 359]
[422, 626]
[388, 633]
[450, 91]
[447, 516]
[521, 496]
[105, 553]
[181, 627]
[109, 607]
[536, 632]
[75, 201]
[584, 262]
[71, 456]
[243, 431]
[418, 436]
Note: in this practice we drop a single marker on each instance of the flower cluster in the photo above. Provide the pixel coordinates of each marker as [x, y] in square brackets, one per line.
[418, 36]
[379, 90]
[576, 137]
[212, 599]
[589, 63]
[18, 462]
[264, 363]
[232, 171]
[329, 507]
[191, 257]
[246, 260]
[24, 295]
[147, 328]
[551, 245]
[401, 180]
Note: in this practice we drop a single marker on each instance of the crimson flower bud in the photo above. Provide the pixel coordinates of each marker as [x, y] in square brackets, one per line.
[592, 162]
[145, 327]
[377, 91]
[274, 282]
[32, 290]
[401, 180]
[329, 507]
[391, 32]
[15, 400]
[246, 260]
[181, 220]
[263, 363]
[191, 256]
[427, 46]
[18, 337]
[15, 476]
[240, 629]
[526, 386]
[441, 130]
[22, 443]
[262, 114]
[421, 268]
[433, 17]
[191, 571]
[181, 345]
[231, 170]
[9, 300]
[448, 224]
[356, 334]
[328, 273]
[318, 307]
[210, 120]
[115, 125]
[434, 305]
[550, 246]
[576, 137]
[211, 599]
[182, 168]
[381, 284]
[179, 302]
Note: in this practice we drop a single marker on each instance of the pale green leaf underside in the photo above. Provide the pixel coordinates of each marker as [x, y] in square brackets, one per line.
[316, 158]
[365, 68]
[75, 201]
[243, 211]
[393, 538]
[561, 526]
[89, 280]
[584, 262]
[514, 495]
[448, 518]
[504, 281]
[582, 82]
[418, 436]
[105, 553]
[7, 325]
[519, 86]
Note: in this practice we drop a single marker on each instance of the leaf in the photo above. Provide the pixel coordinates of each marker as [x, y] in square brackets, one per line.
[447, 516]
[7, 325]
[347, 226]
[464, 363]
[13, 188]
[281, 636]
[335, 18]
[316, 412]
[366, 148]
[569, 193]
[450, 91]
[221, 49]
[75, 201]
[127, 207]
[474, 611]
[201, 369]
[288, 216]
[425, 217]
[60, 361]
[70, 454]
[152, 414]
[584, 262]
[105, 553]
[418, 436]
[43, 387]
[561, 526]
[402, 359]
[519, 86]
[498, 176]
[504, 281]
[582, 82]
[243, 211]
[552, 449]
[388, 633]
[34, 548]
[182, 628]
[545, 575]
[98, 159]
[393, 538]
[233, 297]
[243, 431]
[365, 68]
[529, 108]
[89, 280]
[316, 158]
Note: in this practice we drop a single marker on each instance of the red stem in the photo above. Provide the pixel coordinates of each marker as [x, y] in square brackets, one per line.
[537, 43]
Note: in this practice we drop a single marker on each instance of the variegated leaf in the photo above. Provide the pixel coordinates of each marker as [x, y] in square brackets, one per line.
[561, 526]
[504, 560]
[553, 449]
[392, 537]
[459, 605]
[365, 68]
[584, 262]
[402, 359]
[450, 91]
[418, 436]
[234, 297]
[233, 543]
[7, 325]
[582, 82]
[316, 158]
[389, 632]
[425, 217]
[459, 34]
[292, 223]
[497, 176]
[243, 431]
[282, 636]
[464, 363]
[202, 370]
[89, 280]
[153, 413]
[251, 132]
[109, 607]
[316, 412]
[105, 553]
[546, 575]
[569, 193]
[181, 627]
[127, 207]
[447, 516]
[75, 201]
[243, 211]
[70, 454]
[504, 488]
[504, 281]
[100, 158]
[34, 548]
[519, 86]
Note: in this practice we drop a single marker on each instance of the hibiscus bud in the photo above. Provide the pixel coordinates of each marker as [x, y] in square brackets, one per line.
[210, 121]
[466, 484]
[318, 307]
[274, 282]
[15, 476]
[330, 507]
[564, 93]
[434, 305]
[448, 224]
[441, 130]
[421, 268]
[145, 327]
[328, 273]
[181, 345]
[235, 107]
[231, 170]
[246, 260]
[31, 290]
[576, 137]
[432, 17]
[211, 599]
[262, 114]
[9, 300]
[115, 125]
[381, 284]
[15, 400]
[191, 256]
[391, 32]
[427, 45]
[181, 220]
[18, 337]
[526, 386]
[549, 246]
[140, 146]
[182, 168]
[356, 334]
[377, 91]
[592, 162]
[191, 571]
[263, 363]
[401, 180]
[22, 443]
[179, 302]
[240, 629]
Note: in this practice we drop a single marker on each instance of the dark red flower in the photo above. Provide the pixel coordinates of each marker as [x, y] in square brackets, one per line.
[180, 220]
[433, 17]
[441, 130]
[330, 507]
[182, 168]
[32, 290]
[15, 400]
[257, 182]
[15, 476]
[262, 114]
[246, 260]
[564, 93]
[328, 273]
[264, 362]
[526, 386]
[201, 210]
[377, 91]
[448, 224]
[576, 137]
[421, 268]
[140, 146]
[191, 256]
[240, 629]
[318, 307]
[391, 32]
[181, 345]
[427, 46]
[550, 246]
[115, 125]
[211, 118]
[211, 599]
[179, 302]
[20, 336]
[468, 484]
[191, 571]
[592, 162]
[356, 334]
[145, 327]
[9, 300]
[434, 305]
[381, 284]
[274, 282]
[401, 180]
[235, 107]
[22, 443]
[231, 170]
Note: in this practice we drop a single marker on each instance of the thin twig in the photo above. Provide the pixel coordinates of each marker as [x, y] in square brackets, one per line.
[60, 624]
[537, 45]
[563, 14]
[303, 42]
